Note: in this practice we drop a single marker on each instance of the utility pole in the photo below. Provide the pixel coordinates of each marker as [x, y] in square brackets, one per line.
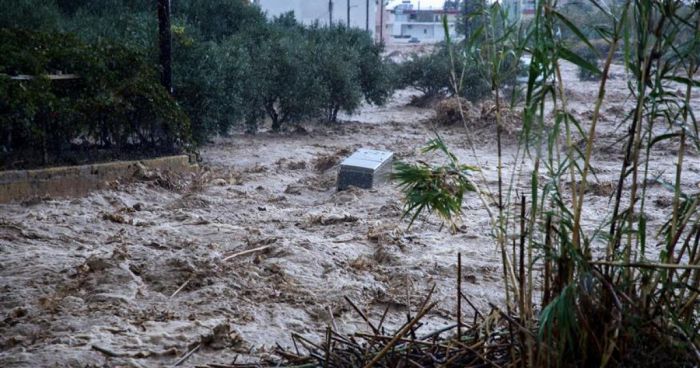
[330, 13]
[165, 40]
[348, 13]
[381, 21]
[367, 17]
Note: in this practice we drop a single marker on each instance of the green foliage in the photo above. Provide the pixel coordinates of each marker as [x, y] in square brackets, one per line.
[469, 20]
[560, 315]
[104, 7]
[116, 102]
[209, 78]
[38, 15]
[429, 74]
[592, 55]
[604, 301]
[311, 72]
[350, 69]
[493, 49]
[230, 64]
[438, 189]
[282, 83]
[217, 20]
[588, 18]
[432, 74]
[133, 30]
[484, 62]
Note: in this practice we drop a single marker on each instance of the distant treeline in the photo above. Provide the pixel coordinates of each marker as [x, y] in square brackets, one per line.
[231, 66]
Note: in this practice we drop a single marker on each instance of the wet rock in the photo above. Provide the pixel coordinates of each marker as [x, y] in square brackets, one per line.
[362, 263]
[95, 264]
[347, 196]
[257, 169]
[14, 315]
[325, 162]
[72, 303]
[333, 218]
[390, 210]
[219, 182]
[385, 234]
[383, 256]
[296, 165]
[294, 189]
[222, 337]
[663, 202]
[117, 218]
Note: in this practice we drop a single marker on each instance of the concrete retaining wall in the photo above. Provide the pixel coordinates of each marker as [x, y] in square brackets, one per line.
[70, 181]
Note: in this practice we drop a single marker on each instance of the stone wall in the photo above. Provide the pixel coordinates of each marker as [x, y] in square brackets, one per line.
[71, 181]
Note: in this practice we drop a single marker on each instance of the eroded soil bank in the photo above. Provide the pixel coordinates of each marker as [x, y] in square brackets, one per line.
[136, 276]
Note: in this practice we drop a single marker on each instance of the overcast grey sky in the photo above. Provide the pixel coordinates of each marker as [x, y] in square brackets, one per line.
[424, 4]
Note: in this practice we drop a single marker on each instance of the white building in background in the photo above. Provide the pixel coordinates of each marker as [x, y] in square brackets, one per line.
[362, 13]
[406, 22]
[522, 9]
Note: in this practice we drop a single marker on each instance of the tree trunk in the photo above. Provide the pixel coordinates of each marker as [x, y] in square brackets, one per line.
[276, 124]
[335, 114]
[274, 116]
[165, 41]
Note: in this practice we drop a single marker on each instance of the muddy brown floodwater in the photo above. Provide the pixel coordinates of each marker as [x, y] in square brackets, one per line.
[135, 275]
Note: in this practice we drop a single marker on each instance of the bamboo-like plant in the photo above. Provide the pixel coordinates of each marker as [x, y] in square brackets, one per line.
[606, 298]
[437, 189]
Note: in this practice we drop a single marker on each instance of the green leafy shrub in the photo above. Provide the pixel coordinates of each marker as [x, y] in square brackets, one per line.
[209, 78]
[431, 74]
[115, 103]
[310, 72]
[133, 30]
[606, 298]
[38, 15]
[281, 83]
[438, 189]
[350, 68]
[230, 64]
[218, 19]
[469, 19]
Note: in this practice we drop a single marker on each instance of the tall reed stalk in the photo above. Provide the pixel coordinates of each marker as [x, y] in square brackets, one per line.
[607, 299]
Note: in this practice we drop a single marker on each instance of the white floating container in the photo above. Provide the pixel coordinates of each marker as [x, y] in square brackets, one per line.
[365, 169]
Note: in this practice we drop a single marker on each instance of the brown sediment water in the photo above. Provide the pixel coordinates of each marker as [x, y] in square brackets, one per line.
[135, 275]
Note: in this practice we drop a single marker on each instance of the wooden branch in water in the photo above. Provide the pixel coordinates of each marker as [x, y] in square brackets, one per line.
[187, 356]
[246, 252]
[362, 314]
[399, 335]
[181, 287]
